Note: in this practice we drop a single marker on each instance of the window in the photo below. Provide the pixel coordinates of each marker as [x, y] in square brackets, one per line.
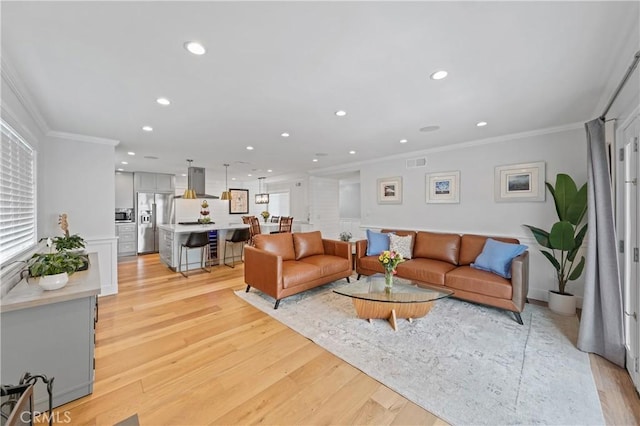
[279, 204]
[17, 194]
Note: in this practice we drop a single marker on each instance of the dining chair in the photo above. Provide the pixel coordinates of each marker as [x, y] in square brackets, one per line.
[254, 228]
[275, 219]
[285, 225]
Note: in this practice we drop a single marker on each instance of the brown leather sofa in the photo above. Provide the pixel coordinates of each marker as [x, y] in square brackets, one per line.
[282, 265]
[443, 260]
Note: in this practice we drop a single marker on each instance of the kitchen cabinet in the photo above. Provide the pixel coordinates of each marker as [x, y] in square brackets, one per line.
[124, 190]
[126, 233]
[154, 182]
[52, 333]
[166, 247]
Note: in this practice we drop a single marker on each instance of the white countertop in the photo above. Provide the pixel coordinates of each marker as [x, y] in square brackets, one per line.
[180, 229]
[29, 295]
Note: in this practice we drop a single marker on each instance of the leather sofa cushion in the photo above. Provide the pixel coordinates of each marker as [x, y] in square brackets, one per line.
[471, 246]
[431, 245]
[426, 270]
[372, 263]
[278, 244]
[307, 244]
[295, 273]
[328, 264]
[481, 282]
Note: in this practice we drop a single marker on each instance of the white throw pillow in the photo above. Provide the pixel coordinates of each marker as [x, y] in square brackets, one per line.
[401, 245]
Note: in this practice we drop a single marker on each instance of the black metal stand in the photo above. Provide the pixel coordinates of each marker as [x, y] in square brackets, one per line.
[28, 379]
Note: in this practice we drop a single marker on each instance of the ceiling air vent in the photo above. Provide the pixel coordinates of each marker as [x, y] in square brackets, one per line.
[416, 162]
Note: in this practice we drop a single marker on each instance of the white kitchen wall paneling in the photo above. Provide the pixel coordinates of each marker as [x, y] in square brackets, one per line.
[107, 250]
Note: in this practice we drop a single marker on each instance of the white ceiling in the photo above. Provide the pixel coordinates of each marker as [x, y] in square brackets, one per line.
[96, 68]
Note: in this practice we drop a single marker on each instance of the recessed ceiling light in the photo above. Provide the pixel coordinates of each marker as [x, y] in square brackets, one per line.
[403, 141]
[163, 101]
[184, 175]
[285, 135]
[439, 75]
[249, 175]
[120, 170]
[352, 152]
[195, 48]
[233, 178]
[249, 148]
[269, 171]
[341, 113]
[131, 153]
[123, 162]
[481, 123]
[315, 160]
[147, 128]
[429, 128]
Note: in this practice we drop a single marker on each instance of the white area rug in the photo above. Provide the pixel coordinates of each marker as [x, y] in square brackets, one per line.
[467, 364]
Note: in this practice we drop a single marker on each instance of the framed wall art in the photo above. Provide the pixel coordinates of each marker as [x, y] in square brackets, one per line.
[390, 190]
[520, 182]
[239, 203]
[443, 187]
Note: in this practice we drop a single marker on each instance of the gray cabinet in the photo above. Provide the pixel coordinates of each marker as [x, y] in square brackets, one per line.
[124, 190]
[166, 247]
[154, 182]
[56, 340]
[126, 233]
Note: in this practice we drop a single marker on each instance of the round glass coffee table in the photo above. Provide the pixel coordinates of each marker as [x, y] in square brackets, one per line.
[404, 300]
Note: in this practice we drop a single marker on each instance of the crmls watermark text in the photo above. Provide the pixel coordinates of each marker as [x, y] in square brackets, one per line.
[39, 417]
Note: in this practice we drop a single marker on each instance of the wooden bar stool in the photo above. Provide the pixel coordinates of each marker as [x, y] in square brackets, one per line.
[241, 235]
[195, 240]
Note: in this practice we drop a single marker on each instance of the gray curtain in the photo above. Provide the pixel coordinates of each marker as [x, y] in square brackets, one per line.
[601, 324]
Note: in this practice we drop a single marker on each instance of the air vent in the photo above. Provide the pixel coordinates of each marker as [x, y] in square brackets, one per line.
[416, 162]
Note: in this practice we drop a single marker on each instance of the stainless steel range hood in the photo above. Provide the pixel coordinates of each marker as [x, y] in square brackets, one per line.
[196, 179]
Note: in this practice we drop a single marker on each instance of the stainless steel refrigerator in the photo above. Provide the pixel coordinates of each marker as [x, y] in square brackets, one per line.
[152, 209]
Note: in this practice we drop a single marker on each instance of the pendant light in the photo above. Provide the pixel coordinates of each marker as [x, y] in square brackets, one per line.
[226, 194]
[189, 193]
[262, 197]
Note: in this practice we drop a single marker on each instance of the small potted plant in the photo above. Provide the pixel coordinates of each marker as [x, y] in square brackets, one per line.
[564, 240]
[68, 242]
[54, 267]
[345, 236]
[265, 215]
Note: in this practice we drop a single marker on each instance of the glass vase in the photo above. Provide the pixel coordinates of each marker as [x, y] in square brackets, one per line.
[388, 280]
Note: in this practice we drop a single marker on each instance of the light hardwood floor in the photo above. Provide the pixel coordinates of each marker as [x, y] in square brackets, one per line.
[187, 351]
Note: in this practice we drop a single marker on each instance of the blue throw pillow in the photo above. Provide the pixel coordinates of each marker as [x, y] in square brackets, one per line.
[496, 257]
[377, 242]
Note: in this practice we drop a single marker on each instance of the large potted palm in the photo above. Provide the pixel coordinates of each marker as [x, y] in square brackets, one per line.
[564, 240]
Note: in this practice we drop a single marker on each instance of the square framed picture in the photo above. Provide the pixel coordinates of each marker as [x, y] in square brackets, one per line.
[390, 190]
[520, 182]
[443, 187]
[239, 203]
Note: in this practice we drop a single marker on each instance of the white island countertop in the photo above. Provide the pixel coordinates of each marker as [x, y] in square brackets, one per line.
[181, 229]
[28, 295]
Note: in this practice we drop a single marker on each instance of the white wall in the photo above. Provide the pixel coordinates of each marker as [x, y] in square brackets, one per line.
[349, 200]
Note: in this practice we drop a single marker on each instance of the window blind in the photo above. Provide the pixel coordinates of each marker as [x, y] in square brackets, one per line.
[17, 194]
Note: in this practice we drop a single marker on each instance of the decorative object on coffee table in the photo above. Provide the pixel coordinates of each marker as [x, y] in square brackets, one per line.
[389, 260]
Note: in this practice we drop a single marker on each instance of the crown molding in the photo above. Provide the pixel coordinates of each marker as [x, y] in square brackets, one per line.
[10, 77]
[82, 138]
[453, 147]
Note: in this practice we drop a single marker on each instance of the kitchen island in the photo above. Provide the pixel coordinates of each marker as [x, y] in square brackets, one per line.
[52, 333]
[172, 236]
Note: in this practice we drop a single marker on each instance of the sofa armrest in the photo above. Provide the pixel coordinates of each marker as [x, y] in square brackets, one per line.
[263, 270]
[337, 248]
[361, 248]
[520, 280]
